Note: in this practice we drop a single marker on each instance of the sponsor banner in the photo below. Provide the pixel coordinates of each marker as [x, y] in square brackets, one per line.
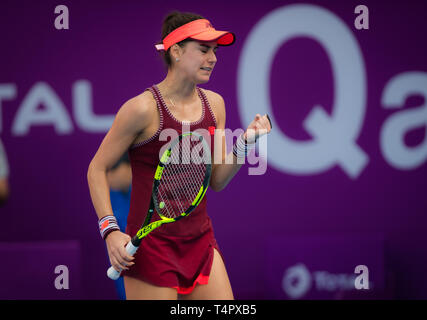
[41, 270]
[325, 267]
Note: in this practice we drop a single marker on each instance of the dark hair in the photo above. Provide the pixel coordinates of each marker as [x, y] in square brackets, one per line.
[172, 21]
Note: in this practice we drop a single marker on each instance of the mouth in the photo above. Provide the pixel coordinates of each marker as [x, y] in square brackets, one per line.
[206, 69]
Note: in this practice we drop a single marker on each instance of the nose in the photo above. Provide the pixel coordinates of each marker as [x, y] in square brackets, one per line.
[212, 58]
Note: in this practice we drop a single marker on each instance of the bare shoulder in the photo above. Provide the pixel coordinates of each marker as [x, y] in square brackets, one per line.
[215, 99]
[141, 105]
[139, 110]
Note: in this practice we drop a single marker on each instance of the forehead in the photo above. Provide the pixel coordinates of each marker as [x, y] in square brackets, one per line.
[204, 43]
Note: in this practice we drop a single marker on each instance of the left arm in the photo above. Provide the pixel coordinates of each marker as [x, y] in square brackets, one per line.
[223, 172]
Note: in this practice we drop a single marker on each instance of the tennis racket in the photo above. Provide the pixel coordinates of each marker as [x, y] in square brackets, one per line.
[180, 183]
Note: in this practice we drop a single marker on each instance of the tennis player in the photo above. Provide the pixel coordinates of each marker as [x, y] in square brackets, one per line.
[180, 260]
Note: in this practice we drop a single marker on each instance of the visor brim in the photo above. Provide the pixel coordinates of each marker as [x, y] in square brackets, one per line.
[223, 38]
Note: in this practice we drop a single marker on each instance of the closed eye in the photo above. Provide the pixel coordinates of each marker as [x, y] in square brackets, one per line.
[205, 48]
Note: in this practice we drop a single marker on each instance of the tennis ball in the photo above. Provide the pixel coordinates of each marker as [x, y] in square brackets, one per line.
[161, 205]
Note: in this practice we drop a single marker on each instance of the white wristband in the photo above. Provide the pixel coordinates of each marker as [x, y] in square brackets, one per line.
[107, 225]
[241, 148]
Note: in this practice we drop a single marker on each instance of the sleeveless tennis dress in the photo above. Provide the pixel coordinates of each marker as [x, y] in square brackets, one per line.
[177, 255]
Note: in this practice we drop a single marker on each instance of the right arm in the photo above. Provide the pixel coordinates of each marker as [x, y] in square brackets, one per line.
[132, 118]
[4, 173]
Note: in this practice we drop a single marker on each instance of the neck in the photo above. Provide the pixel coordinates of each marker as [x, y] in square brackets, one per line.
[178, 88]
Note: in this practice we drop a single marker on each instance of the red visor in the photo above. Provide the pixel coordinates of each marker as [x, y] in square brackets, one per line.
[200, 29]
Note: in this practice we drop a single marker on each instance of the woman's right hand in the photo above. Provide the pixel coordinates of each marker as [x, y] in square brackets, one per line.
[116, 242]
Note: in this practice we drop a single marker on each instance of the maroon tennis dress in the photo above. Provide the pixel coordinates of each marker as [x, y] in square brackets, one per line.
[177, 255]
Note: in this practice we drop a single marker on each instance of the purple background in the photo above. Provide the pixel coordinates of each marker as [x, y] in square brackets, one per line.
[111, 44]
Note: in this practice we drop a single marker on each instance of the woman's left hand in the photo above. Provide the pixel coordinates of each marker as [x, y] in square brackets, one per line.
[260, 126]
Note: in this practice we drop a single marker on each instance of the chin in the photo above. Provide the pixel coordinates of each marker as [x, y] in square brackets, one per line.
[202, 80]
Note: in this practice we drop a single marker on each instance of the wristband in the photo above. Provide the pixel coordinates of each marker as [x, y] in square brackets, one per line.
[107, 225]
[241, 148]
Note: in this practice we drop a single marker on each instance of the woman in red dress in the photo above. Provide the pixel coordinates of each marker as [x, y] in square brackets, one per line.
[180, 260]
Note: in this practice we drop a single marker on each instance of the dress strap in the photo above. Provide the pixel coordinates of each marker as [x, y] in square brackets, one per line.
[206, 104]
[159, 107]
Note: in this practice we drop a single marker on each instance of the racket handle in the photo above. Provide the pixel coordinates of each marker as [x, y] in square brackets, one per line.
[112, 273]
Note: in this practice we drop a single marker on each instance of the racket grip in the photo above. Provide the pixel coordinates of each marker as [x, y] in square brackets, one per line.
[112, 273]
